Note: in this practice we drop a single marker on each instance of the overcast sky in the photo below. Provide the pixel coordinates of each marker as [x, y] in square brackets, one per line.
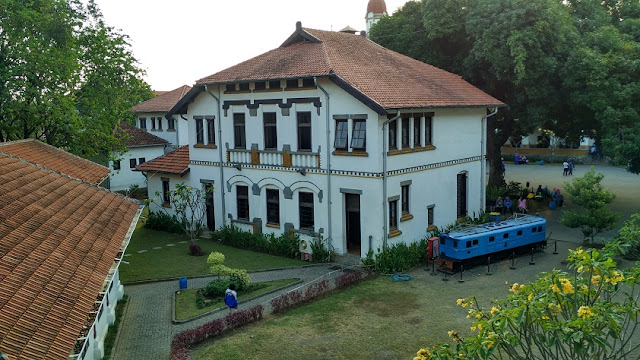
[179, 42]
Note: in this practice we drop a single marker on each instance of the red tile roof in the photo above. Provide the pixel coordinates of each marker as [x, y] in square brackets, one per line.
[387, 78]
[137, 137]
[175, 162]
[59, 240]
[163, 102]
[55, 159]
[376, 7]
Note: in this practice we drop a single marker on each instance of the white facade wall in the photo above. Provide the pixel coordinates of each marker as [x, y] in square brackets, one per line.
[125, 177]
[177, 137]
[432, 174]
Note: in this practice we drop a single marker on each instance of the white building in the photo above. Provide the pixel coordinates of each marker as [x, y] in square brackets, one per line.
[376, 9]
[335, 137]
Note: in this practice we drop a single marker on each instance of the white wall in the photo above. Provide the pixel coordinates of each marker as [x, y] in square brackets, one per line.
[176, 137]
[125, 177]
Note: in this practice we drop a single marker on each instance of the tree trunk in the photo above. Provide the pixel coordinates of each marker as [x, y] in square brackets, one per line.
[494, 143]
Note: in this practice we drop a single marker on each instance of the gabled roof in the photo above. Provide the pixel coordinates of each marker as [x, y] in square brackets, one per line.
[379, 77]
[163, 102]
[175, 162]
[137, 137]
[60, 240]
[55, 159]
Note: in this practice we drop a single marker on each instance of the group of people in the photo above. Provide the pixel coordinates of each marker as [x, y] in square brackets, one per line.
[567, 167]
[504, 205]
[520, 159]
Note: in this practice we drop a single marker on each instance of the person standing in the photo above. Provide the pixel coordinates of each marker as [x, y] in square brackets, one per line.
[571, 166]
[565, 167]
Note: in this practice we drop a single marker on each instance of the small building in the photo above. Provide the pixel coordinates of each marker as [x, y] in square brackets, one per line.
[63, 238]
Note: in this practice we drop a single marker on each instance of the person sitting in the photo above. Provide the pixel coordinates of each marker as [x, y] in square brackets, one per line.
[545, 192]
[522, 205]
[499, 204]
[538, 195]
[558, 198]
[516, 159]
[507, 205]
[523, 160]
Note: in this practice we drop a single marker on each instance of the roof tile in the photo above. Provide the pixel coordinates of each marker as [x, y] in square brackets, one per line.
[136, 137]
[175, 162]
[162, 102]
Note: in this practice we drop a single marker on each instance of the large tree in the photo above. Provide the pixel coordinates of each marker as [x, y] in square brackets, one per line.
[67, 78]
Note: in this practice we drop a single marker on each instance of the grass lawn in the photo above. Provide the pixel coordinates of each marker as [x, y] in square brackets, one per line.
[186, 301]
[378, 319]
[175, 261]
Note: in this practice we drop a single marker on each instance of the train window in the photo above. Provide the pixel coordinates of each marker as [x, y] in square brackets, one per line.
[539, 228]
[491, 238]
[505, 235]
[468, 244]
[519, 232]
[455, 243]
[475, 242]
[533, 229]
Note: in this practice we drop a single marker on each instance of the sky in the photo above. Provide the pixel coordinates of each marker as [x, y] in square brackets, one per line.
[179, 42]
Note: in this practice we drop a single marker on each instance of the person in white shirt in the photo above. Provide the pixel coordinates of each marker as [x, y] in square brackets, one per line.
[565, 165]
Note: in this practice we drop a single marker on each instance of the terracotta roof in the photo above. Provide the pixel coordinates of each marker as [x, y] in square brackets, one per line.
[376, 7]
[59, 240]
[175, 162]
[55, 159]
[163, 102]
[138, 137]
[365, 69]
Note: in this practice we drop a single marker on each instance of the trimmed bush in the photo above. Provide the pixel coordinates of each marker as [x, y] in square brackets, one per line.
[348, 279]
[287, 245]
[215, 288]
[195, 250]
[163, 222]
[400, 257]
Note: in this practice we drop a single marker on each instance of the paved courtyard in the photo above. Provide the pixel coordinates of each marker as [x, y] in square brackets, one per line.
[147, 328]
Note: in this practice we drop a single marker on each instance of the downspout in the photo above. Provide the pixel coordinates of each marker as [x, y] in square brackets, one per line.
[483, 161]
[385, 234]
[328, 151]
[224, 209]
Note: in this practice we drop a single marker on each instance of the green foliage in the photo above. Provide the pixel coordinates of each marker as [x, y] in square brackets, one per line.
[629, 234]
[163, 222]
[320, 251]
[112, 331]
[284, 245]
[493, 192]
[588, 193]
[67, 77]
[215, 288]
[400, 257]
[238, 276]
[584, 315]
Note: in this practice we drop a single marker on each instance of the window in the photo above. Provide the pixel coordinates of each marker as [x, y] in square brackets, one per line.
[505, 235]
[359, 135]
[417, 124]
[243, 87]
[430, 210]
[306, 210]
[475, 242]
[308, 83]
[166, 194]
[159, 123]
[211, 131]
[141, 160]
[342, 134]
[116, 165]
[199, 132]
[143, 123]
[462, 195]
[132, 163]
[274, 84]
[242, 201]
[304, 131]
[172, 124]
[405, 132]
[270, 131]
[539, 228]
[468, 244]
[405, 199]
[533, 229]
[153, 123]
[292, 83]
[239, 135]
[428, 123]
[393, 215]
[230, 87]
[492, 238]
[393, 138]
[519, 232]
[260, 85]
[273, 207]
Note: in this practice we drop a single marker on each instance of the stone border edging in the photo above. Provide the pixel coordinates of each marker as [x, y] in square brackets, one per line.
[173, 310]
[150, 281]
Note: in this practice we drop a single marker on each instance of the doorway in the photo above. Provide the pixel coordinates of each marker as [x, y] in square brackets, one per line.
[352, 212]
[211, 219]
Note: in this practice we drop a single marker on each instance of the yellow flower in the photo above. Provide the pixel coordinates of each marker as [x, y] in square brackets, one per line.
[479, 316]
[490, 345]
[479, 326]
[453, 333]
[580, 268]
[461, 356]
[494, 310]
[579, 252]
[515, 288]
[595, 280]
[530, 297]
[567, 288]
[545, 317]
[423, 352]
[555, 288]
[473, 328]
[459, 301]
[585, 312]
[418, 358]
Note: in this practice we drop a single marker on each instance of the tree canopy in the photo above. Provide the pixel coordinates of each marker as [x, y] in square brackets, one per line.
[66, 77]
[567, 67]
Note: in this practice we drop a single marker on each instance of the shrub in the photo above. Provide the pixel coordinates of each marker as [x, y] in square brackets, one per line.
[195, 250]
[400, 257]
[316, 289]
[320, 252]
[348, 279]
[199, 299]
[285, 301]
[215, 289]
[163, 222]
[287, 245]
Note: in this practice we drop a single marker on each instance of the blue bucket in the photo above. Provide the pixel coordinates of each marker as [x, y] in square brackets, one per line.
[183, 283]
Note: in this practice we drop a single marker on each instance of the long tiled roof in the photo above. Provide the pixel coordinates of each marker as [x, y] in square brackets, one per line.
[175, 162]
[385, 77]
[60, 237]
[163, 102]
[55, 159]
[136, 137]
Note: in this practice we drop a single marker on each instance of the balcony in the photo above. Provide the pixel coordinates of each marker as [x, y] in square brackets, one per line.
[284, 158]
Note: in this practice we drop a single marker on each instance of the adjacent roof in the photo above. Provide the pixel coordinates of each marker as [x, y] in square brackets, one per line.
[163, 102]
[175, 162]
[60, 237]
[376, 7]
[137, 137]
[55, 159]
[381, 78]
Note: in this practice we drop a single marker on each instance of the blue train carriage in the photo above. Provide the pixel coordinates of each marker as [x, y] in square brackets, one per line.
[520, 231]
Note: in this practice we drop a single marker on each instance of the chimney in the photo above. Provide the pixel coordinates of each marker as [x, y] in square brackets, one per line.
[363, 33]
[298, 25]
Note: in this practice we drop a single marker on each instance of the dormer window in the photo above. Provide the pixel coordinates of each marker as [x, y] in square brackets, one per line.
[292, 84]
[274, 84]
[260, 85]
[230, 87]
[306, 83]
[243, 87]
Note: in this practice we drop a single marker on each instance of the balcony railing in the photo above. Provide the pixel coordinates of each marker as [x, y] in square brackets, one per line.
[284, 158]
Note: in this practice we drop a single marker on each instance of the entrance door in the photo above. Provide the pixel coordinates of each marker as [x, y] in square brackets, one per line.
[352, 207]
[211, 220]
[462, 195]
